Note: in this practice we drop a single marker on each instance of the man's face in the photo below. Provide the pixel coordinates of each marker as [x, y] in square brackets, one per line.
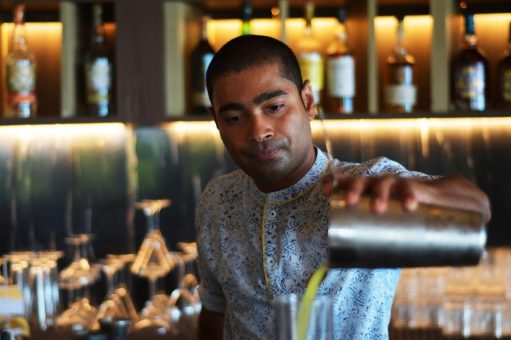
[264, 125]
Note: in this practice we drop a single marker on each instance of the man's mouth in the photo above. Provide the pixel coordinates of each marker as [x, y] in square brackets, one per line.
[266, 154]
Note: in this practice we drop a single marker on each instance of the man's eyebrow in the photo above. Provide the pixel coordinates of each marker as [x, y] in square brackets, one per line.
[268, 95]
[231, 106]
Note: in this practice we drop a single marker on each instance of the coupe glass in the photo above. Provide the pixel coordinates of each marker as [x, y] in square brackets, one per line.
[152, 261]
[118, 304]
[184, 303]
[80, 273]
[77, 278]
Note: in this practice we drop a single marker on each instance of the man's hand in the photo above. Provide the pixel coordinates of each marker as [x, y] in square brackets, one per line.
[450, 192]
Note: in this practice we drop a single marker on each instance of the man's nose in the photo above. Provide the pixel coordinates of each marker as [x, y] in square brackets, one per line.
[261, 129]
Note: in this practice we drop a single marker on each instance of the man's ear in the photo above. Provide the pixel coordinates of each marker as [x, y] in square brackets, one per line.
[308, 99]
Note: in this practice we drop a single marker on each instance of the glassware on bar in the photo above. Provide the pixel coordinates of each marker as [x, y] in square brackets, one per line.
[44, 286]
[320, 322]
[80, 312]
[153, 261]
[184, 302]
[80, 273]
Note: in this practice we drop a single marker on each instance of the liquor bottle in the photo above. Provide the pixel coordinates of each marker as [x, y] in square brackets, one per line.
[98, 70]
[469, 78]
[201, 56]
[246, 16]
[20, 71]
[399, 91]
[340, 71]
[504, 77]
[309, 56]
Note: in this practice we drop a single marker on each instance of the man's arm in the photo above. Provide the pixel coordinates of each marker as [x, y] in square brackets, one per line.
[450, 192]
[211, 325]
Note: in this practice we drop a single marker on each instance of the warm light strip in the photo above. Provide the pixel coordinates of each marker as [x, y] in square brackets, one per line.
[369, 124]
[184, 127]
[65, 130]
[418, 123]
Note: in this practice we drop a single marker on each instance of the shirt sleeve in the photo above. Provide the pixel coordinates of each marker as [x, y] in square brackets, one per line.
[380, 166]
[210, 290]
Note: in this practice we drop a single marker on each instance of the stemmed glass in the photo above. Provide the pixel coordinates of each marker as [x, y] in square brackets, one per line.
[110, 267]
[80, 273]
[184, 302]
[152, 261]
[77, 277]
[118, 303]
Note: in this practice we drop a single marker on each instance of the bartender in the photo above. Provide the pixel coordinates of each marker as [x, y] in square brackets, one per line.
[262, 229]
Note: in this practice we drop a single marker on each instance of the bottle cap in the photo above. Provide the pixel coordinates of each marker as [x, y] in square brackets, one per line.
[341, 15]
[247, 10]
[469, 24]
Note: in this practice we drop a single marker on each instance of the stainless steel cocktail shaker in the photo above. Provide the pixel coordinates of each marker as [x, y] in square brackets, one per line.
[428, 236]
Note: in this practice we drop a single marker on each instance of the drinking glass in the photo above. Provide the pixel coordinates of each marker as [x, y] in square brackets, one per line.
[320, 323]
[80, 312]
[118, 304]
[43, 281]
[152, 261]
[184, 303]
[110, 267]
[77, 278]
[80, 273]
[19, 272]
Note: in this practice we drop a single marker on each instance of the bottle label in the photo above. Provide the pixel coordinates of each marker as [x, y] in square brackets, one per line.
[200, 94]
[469, 82]
[400, 94]
[506, 85]
[21, 76]
[403, 75]
[341, 76]
[99, 79]
[311, 65]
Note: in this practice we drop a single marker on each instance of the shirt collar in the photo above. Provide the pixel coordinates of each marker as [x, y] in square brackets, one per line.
[304, 185]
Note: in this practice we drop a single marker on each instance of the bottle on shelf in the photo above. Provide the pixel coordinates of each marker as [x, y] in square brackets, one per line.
[310, 57]
[246, 16]
[98, 70]
[340, 71]
[20, 71]
[400, 93]
[201, 56]
[504, 77]
[469, 80]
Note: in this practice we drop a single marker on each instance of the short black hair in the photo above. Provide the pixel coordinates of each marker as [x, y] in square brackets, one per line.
[248, 51]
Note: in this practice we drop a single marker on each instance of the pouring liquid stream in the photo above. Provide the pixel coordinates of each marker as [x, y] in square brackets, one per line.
[305, 306]
[317, 277]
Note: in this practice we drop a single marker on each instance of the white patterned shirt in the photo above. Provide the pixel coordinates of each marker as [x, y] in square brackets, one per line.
[241, 229]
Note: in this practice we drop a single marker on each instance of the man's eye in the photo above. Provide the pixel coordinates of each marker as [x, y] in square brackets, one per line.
[232, 119]
[276, 108]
